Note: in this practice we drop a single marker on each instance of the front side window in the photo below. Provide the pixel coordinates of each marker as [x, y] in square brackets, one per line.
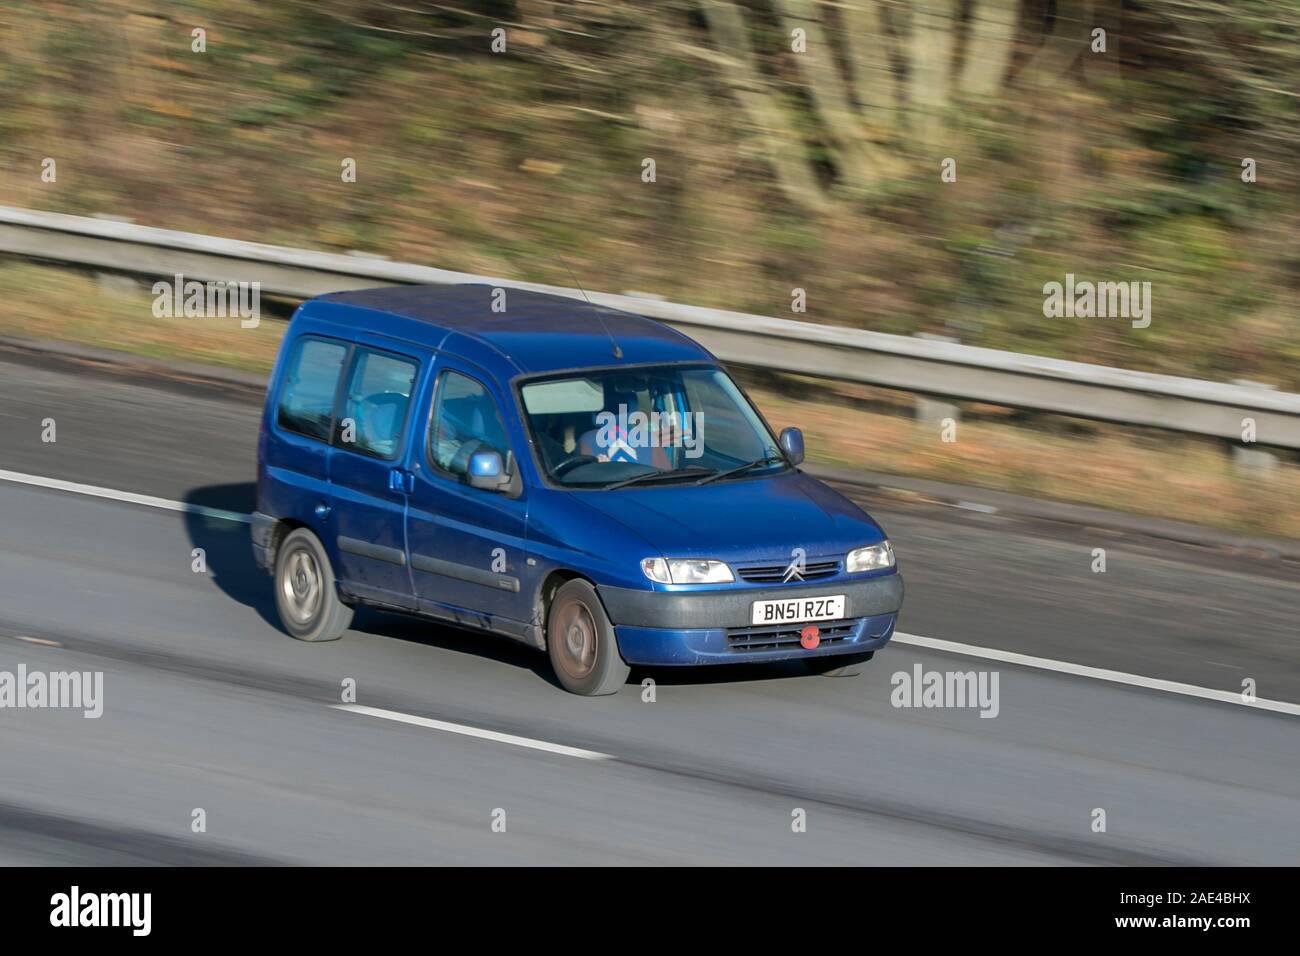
[307, 399]
[375, 405]
[606, 428]
[465, 421]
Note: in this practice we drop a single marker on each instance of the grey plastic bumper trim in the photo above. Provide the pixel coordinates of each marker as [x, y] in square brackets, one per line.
[377, 551]
[730, 607]
[463, 572]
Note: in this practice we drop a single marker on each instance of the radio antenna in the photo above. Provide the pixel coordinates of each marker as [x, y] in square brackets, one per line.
[618, 352]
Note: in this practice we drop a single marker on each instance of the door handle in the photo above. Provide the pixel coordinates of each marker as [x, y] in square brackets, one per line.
[400, 481]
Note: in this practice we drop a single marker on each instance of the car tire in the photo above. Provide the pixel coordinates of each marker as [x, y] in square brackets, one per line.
[305, 593]
[841, 665]
[581, 643]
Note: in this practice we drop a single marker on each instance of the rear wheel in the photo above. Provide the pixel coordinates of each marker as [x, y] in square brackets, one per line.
[841, 665]
[305, 595]
[581, 643]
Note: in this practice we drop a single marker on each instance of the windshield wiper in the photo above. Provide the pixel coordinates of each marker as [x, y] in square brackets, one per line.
[757, 462]
[648, 476]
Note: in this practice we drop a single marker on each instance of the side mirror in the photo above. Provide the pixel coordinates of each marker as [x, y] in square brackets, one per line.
[487, 471]
[792, 444]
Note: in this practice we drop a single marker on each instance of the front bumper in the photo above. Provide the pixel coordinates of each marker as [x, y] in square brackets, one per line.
[713, 627]
[663, 647]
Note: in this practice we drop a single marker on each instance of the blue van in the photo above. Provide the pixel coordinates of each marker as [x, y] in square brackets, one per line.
[584, 480]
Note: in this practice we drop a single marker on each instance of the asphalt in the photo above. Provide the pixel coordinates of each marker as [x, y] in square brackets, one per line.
[208, 705]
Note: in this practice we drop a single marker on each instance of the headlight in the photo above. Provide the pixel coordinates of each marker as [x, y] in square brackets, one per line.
[870, 559]
[686, 571]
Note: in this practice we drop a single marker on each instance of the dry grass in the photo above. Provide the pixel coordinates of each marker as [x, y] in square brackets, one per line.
[44, 302]
[1163, 476]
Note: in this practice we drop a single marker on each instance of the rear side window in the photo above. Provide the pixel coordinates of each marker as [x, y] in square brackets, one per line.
[307, 399]
[465, 420]
[374, 408]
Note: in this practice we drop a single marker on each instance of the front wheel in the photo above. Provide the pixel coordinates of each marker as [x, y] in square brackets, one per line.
[581, 644]
[305, 595]
[841, 665]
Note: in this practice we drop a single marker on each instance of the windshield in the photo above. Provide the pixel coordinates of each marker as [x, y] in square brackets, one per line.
[645, 426]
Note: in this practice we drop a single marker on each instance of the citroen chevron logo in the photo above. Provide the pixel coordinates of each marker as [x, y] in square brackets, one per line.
[794, 570]
[619, 449]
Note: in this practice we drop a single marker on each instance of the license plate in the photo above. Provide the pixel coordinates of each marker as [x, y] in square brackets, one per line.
[798, 610]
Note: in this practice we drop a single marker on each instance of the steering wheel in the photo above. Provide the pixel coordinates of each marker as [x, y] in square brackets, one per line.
[572, 462]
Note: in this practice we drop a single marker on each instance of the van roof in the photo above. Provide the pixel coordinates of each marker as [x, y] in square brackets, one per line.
[536, 332]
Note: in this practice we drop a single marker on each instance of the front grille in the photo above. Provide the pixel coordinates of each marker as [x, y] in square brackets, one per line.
[773, 637]
[775, 573]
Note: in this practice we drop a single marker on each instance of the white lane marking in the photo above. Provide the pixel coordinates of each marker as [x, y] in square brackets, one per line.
[1096, 673]
[36, 640]
[127, 496]
[478, 732]
[953, 647]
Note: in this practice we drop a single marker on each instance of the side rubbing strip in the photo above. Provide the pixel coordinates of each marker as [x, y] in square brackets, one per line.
[463, 572]
[376, 551]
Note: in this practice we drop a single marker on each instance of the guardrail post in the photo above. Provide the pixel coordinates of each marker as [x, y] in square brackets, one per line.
[114, 281]
[1248, 461]
[932, 411]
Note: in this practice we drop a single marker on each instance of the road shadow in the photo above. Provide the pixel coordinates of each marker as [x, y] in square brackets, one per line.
[719, 673]
[430, 633]
[228, 553]
[227, 547]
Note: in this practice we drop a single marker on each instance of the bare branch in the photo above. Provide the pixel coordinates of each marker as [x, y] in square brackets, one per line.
[871, 47]
[828, 90]
[988, 48]
[934, 27]
[781, 143]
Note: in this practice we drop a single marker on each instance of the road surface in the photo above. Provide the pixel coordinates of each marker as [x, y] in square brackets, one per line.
[467, 753]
